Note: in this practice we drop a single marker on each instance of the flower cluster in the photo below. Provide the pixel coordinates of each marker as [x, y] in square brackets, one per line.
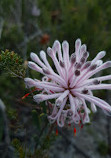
[70, 84]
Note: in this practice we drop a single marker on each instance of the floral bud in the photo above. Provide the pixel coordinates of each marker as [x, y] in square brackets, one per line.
[73, 58]
[77, 72]
[96, 82]
[46, 71]
[93, 67]
[61, 63]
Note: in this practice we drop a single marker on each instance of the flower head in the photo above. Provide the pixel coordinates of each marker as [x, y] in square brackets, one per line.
[70, 84]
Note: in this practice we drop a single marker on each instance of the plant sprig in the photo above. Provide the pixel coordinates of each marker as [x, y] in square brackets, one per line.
[12, 63]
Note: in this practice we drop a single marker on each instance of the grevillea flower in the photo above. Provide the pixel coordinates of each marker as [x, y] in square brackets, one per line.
[70, 82]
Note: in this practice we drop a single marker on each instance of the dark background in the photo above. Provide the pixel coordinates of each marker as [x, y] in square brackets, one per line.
[32, 25]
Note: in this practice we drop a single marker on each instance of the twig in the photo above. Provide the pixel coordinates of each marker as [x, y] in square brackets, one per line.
[15, 74]
[74, 145]
[30, 38]
[17, 13]
[41, 133]
[1, 26]
[28, 105]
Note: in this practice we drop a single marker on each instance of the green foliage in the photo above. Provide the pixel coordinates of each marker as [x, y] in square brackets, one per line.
[13, 34]
[12, 114]
[103, 148]
[36, 118]
[19, 148]
[5, 5]
[41, 152]
[12, 63]
[84, 19]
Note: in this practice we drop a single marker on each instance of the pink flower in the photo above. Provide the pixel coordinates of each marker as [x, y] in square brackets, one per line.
[70, 84]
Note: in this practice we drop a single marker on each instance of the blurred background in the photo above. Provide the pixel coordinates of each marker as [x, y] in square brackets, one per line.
[29, 26]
